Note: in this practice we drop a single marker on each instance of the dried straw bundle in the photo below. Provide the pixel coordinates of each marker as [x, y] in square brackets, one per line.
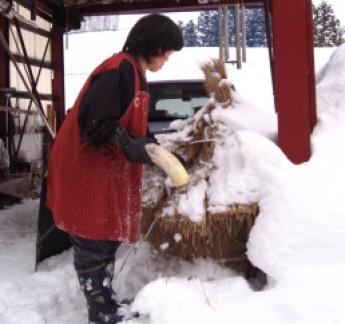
[215, 72]
[221, 236]
[217, 87]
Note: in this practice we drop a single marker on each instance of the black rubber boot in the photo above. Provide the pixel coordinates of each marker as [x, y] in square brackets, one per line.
[95, 282]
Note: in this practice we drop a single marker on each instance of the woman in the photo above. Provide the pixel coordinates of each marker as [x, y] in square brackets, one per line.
[96, 162]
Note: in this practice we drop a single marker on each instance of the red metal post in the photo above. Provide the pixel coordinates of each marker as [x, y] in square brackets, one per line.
[58, 77]
[294, 76]
[310, 56]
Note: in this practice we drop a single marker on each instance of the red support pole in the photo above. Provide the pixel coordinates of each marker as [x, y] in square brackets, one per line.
[310, 55]
[294, 76]
[58, 79]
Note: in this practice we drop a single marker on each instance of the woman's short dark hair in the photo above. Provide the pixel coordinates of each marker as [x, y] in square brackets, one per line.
[153, 35]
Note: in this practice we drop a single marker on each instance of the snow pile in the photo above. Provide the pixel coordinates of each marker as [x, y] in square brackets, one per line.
[303, 207]
[331, 107]
[298, 238]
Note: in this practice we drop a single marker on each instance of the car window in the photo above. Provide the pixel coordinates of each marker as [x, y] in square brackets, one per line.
[170, 100]
[178, 107]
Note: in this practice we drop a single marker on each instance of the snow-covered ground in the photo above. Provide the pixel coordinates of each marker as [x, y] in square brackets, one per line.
[298, 238]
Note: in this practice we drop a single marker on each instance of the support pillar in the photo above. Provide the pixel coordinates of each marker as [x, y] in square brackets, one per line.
[294, 76]
[4, 75]
[58, 76]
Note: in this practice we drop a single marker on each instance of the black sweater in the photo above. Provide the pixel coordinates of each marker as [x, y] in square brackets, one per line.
[106, 101]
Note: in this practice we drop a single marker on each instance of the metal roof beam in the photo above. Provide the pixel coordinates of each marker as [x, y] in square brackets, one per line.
[122, 6]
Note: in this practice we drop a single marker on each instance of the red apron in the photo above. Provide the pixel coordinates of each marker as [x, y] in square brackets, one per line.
[95, 192]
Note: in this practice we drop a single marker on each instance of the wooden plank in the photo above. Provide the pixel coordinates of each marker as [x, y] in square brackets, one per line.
[4, 76]
[33, 29]
[121, 6]
[4, 59]
[58, 79]
[18, 186]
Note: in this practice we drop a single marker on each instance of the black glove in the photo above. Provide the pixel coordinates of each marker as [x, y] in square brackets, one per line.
[152, 136]
[133, 148]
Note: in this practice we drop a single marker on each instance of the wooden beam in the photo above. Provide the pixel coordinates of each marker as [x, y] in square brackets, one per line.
[44, 8]
[26, 95]
[4, 75]
[294, 76]
[123, 6]
[4, 59]
[33, 29]
[58, 78]
[33, 62]
[18, 186]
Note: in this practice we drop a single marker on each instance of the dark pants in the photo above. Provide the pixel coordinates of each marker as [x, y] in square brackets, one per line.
[90, 253]
[94, 264]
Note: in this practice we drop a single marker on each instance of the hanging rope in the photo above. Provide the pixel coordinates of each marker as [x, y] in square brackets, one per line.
[134, 247]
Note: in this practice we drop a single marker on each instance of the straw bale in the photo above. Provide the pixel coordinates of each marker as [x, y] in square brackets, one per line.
[220, 236]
